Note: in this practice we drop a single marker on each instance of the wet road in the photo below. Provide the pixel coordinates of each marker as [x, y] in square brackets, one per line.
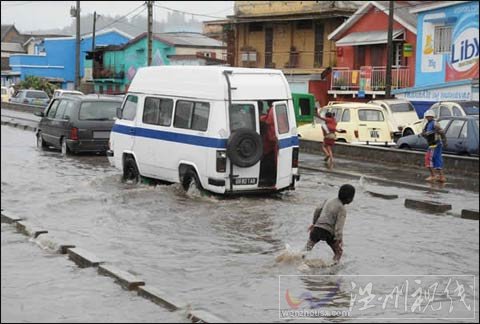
[218, 254]
[66, 292]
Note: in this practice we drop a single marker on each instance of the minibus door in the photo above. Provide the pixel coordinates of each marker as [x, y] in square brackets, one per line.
[244, 147]
[284, 155]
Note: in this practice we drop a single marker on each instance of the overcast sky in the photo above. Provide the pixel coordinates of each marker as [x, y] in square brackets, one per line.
[39, 15]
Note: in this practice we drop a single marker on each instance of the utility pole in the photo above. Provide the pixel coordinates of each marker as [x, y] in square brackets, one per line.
[93, 32]
[149, 32]
[388, 73]
[77, 47]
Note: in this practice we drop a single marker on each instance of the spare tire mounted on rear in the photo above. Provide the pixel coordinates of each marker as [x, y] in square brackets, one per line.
[244, 147]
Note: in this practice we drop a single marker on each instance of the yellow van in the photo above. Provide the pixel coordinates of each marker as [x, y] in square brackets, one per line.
[364, 123]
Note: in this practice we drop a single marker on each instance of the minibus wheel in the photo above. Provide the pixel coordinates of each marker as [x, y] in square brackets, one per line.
[245, 147]
[190, 178]
[130, 170]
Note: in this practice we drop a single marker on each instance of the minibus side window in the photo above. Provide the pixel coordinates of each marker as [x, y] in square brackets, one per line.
[158, 111]
[282, 119]
[183, 114]
[242, 116]
[191, 115]
[130, 108]
[200, 116]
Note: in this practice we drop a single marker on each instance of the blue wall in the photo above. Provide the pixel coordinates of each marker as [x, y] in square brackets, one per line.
[59, 61]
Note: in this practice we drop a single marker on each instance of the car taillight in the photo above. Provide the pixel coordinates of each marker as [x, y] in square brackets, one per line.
[221, 161]
[356, 133]
[74, 133]
[295, 157]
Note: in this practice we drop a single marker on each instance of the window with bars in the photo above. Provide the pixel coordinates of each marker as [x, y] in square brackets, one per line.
[442, 39]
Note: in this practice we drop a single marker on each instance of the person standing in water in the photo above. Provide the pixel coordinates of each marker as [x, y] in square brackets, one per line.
[329, 220]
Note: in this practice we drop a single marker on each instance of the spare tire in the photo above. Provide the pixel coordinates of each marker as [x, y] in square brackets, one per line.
[244, 147]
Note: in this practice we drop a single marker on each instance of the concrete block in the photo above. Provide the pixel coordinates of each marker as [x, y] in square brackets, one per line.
[9, 218]
[470, 214]
[161, 298]
[28, 229]
[125, 279]
[63, 248]
[381, 195]
[429, 206]
[83, 258]
[200, 316]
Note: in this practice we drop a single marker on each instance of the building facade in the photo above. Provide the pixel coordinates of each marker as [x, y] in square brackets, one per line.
[55, 58]
[291, 36]
[111, 69]
[362, 51]
[447, 54]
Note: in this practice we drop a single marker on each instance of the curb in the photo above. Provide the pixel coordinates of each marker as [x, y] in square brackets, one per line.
[429, 206]
[83, 258]
[28, 229]
[381, 195]
[470, 214]
[16, 125]
[125, 279]
[155, 296]
[200, 316]
[10, 219]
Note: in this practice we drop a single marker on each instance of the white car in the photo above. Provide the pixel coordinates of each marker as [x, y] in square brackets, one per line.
[176, 127]
[400, 113]
[60, 92]
[444, 109]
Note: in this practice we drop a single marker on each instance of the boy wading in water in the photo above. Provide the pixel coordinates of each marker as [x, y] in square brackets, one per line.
[328, 222]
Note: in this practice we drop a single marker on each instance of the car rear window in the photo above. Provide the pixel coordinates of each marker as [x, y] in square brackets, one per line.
[37, 95]
[98, 110]
[470, 108]
[370, 115]
[402, 107]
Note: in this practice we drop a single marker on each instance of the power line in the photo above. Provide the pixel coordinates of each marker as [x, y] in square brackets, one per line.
[123, 17]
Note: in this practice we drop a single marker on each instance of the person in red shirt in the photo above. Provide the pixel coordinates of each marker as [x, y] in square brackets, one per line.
[268, 165]
[329, 136]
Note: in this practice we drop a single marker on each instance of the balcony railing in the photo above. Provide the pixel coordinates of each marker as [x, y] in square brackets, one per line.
[108, 71]
[372, 77]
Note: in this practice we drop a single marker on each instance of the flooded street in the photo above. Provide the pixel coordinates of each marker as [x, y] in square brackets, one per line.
[219, 254]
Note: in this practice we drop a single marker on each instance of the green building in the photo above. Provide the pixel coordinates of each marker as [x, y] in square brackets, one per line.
[110, 69]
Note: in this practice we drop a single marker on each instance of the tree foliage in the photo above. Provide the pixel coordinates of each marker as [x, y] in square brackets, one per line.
[36, 83]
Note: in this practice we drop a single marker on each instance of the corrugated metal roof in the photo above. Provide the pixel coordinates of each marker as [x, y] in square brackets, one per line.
[12, 47]
[367, 38]
[188, 39]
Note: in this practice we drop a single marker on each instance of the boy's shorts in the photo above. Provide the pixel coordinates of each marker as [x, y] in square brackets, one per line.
[320, 234]
[433, 157]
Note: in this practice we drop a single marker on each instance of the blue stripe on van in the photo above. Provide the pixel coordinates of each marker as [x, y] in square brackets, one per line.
[189, 139]
[287, 142]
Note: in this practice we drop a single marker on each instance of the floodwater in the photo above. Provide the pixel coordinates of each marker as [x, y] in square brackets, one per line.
[219, 254]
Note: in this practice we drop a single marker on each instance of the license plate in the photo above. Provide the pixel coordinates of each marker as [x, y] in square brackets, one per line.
[374, 134]
[244, 181]
[101, 134]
